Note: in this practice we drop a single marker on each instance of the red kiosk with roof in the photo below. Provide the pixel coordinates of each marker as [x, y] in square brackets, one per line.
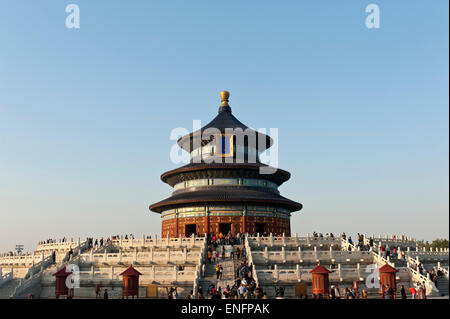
[320, 282]
[130, 282]
[61, 288]
[387, 277]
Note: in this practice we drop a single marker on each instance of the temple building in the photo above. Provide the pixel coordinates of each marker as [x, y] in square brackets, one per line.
[225, 187]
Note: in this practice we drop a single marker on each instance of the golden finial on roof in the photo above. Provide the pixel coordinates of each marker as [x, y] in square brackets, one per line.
[224, 95]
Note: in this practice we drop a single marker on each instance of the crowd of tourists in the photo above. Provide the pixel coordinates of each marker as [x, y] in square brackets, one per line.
[97, 243]
[220, 248]
[224, 239]
[53, 241]
[244, 286]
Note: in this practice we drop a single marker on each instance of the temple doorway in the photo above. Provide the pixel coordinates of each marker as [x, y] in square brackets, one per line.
[260, 228]
[225, 228]
[190, 229]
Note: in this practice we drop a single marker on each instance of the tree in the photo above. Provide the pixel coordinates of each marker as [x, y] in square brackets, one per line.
[437, 243]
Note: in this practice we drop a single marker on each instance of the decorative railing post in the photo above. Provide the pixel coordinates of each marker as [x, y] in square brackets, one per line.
[175, 273]
[297, 270]
[275, 272]
[331, 251]
[271, 240]
[266, 253]
[254, 274]
[358, 271]
[299, 253]
[283, 255]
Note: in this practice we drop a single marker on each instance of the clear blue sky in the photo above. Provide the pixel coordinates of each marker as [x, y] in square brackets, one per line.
[85, 115]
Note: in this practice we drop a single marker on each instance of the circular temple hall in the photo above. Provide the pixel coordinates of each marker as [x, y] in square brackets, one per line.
[225, 188]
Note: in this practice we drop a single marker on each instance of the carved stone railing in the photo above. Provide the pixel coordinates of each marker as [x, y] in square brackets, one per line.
[279, 241]
[381, 261]
[32, 279]
[28, 285]
[148, 275]
[416, 276]
[192, 241]
[59, 246]
[430, 255]
[347, 246]
[142, 257]
[22, 260]
[201, 260]
[5, 278]
[298, 274]
[310, 256]
[249, 254]
[444, 270]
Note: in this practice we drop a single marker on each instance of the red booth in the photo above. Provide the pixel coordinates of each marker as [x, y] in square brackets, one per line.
[61, 288]
[130, 282]
[387, 277]
[320, 282]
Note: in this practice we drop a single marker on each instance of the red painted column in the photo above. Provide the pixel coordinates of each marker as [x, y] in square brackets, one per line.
[244, 220]
[177, 230]
[207, 221]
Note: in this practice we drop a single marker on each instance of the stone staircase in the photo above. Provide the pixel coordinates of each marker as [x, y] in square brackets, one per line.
[442, 286]
[7, 290]
[228, 277]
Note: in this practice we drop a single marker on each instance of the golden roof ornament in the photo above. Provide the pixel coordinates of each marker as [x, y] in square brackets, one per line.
[224, 95]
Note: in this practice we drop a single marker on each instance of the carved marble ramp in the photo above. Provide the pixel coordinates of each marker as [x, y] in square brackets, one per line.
[228, 278]
[7, 290]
